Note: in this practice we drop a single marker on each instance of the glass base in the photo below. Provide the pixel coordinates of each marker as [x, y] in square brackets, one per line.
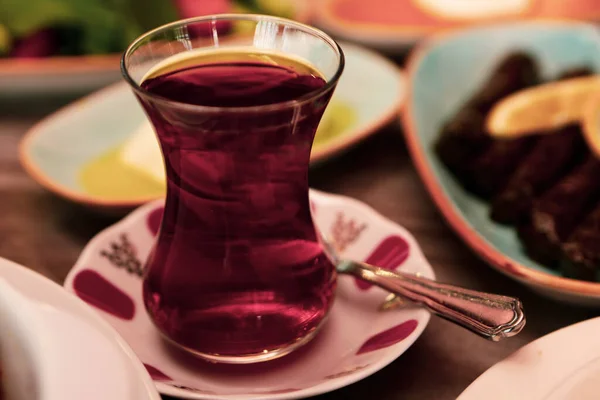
[266, 355]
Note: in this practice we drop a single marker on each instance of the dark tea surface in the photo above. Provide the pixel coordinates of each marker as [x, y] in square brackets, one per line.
[249, 80]
[237, 269]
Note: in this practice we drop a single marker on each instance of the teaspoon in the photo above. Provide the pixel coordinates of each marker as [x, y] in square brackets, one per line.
[491, 316]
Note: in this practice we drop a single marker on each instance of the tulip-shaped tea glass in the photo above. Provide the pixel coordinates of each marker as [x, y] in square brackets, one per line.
[237, 274]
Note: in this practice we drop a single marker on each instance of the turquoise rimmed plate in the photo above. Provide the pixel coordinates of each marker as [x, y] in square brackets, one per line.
[442, 74]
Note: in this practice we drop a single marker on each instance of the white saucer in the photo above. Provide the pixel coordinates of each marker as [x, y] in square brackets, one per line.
[357, 340]
[563, 365]
[55, 345]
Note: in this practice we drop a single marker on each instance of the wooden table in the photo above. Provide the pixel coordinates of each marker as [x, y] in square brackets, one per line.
[45, 233]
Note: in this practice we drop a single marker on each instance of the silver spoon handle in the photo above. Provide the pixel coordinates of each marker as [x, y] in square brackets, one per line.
[491, 316]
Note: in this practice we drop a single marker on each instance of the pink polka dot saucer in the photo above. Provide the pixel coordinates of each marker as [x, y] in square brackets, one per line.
[358, 339]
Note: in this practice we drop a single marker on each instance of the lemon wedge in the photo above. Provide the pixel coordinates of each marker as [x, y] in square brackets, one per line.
[5, 40]
[142, 152]
[542, 108]
[591, 123]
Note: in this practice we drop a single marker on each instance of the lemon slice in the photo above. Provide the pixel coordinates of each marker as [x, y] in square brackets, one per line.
[473, 10]
[5, 40]
[542, 108]
[142, 152]
[591, 123]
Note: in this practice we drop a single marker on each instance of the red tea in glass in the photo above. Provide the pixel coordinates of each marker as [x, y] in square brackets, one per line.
[237, 273]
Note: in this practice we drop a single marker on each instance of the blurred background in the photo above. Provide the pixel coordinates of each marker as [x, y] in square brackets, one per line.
[74, 45]
[77, 153]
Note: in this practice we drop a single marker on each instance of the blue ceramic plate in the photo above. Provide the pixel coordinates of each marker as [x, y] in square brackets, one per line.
[92, 131]
[443, 73]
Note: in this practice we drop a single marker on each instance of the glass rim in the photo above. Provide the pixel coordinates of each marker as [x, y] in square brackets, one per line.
[308, 97]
